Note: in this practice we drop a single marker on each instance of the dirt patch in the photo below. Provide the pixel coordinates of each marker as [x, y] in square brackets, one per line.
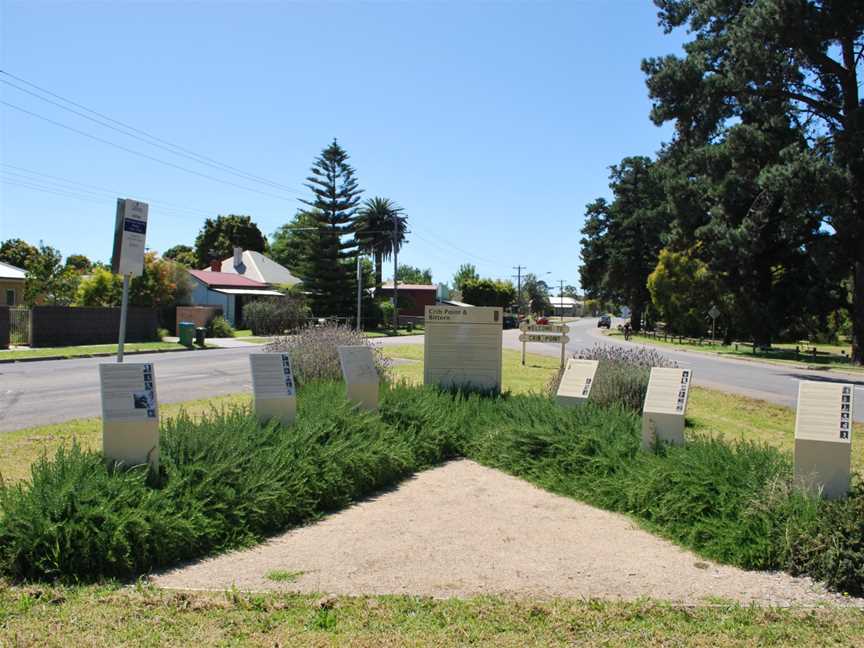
[464, 530]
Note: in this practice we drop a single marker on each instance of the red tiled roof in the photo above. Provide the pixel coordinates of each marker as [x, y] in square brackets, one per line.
[225, 280]
[389, 286]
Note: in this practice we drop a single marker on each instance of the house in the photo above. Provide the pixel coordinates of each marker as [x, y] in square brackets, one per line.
[413, 298]
[11, 284]
[254, 265]
[566, 306]
[228, 290]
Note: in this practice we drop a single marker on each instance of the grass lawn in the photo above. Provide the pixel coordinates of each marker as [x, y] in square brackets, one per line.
[142, 615]
[829, 356]
[77, 351]
[516, 378]
[418, 330]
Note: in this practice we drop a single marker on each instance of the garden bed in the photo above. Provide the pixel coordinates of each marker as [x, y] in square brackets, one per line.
[229, 482]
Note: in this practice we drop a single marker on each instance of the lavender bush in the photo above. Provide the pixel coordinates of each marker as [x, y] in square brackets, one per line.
[622, 377]
[314, 356]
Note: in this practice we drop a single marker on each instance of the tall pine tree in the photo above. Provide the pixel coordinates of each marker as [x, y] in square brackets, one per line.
[327, 267]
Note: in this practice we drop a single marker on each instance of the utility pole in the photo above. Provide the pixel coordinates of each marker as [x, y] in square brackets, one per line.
[359, 290]
[561, 299]
[395, 278]
[519, 270]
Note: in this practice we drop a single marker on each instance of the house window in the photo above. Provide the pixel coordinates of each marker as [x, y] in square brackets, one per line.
[10, 297]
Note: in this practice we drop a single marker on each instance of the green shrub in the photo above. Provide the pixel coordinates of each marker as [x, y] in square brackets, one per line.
[162, 333]
[274, 317]
[386, 313]
[220, 328]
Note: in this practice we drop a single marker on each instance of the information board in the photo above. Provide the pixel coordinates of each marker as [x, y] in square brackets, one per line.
[130, 233]
[462, 347]
[273, 387]
[577, 381]
[665, 406]
[823, 436]
[361, 377]
[130, 414]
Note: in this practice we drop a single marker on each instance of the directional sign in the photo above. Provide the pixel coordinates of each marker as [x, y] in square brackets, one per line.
[361, 377]
[576, 383]
[665, 405]
[130, 233]
[273, 387]
[823, 436]
[130, 414]
[552, 333]
[462, 347]
[541, 337]
[714, 313]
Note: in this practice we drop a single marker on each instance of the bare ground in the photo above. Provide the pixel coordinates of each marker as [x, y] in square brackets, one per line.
[465, 530]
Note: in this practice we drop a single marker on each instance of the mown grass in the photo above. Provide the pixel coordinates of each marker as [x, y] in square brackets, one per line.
[109, 616]
[515, 378]
[82, 351]
[829, 356]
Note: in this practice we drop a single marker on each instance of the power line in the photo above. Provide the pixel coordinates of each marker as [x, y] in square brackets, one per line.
[147, 138]
[143, 155]
[107, 191]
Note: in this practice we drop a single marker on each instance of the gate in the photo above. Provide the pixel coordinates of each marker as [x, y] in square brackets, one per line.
[19, 325]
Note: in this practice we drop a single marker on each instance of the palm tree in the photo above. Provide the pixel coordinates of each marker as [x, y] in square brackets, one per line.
[373, 231]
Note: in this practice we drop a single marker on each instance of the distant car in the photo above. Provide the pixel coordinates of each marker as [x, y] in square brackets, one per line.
[605, 321]
[511, 322]
[542, 320]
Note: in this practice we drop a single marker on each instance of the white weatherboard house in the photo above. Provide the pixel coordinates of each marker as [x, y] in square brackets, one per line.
[11, 284]
[257, 267]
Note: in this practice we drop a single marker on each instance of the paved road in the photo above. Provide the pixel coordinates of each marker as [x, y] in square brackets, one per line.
[37, 393]
[771, 382]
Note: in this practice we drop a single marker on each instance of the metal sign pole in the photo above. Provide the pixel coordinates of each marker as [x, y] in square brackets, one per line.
[124, 306]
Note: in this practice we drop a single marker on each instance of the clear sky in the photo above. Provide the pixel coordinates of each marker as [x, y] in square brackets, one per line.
[491, 123]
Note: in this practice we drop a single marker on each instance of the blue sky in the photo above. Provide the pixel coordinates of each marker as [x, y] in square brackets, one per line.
[491, 123]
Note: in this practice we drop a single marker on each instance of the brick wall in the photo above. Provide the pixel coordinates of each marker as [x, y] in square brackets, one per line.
[4, 327]
[198, 315]
[68, 326]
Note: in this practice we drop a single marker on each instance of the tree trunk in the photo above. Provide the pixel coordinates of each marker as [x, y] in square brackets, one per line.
[858, 313]
[636, 317]
[378, 271]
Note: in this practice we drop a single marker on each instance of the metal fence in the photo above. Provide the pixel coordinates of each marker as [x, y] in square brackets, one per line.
[19, 325]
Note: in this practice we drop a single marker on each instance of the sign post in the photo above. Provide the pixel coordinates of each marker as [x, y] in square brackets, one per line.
[665, 405]
[576, 383]
[556, 333]
[127, 259]
[462, 347]
[823, 437]
[273, 387]
[361, 377]
[130, 415]
[714, 313]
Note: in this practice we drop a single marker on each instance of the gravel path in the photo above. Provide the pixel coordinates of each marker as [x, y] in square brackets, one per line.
[463, 529]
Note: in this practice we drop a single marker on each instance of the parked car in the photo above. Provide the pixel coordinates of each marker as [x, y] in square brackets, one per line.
[511, 322]
[542, 320]
[605, 321]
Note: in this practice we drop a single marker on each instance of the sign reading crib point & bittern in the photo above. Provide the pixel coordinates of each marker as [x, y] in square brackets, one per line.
[130, 232]
[576, 383]
[273, 387]
[462, 347]
[665, 405]
[823, 436]
[130, 415]
[361, 377]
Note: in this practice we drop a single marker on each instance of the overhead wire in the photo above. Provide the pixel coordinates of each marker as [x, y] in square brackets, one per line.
[138, 133]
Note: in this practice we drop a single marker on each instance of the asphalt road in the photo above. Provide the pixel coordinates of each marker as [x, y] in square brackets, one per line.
[38, 393]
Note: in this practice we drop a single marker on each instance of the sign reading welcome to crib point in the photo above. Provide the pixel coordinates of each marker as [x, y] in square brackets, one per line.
[273, 387]
[462, 347]
[823, 436]
[130, 414]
